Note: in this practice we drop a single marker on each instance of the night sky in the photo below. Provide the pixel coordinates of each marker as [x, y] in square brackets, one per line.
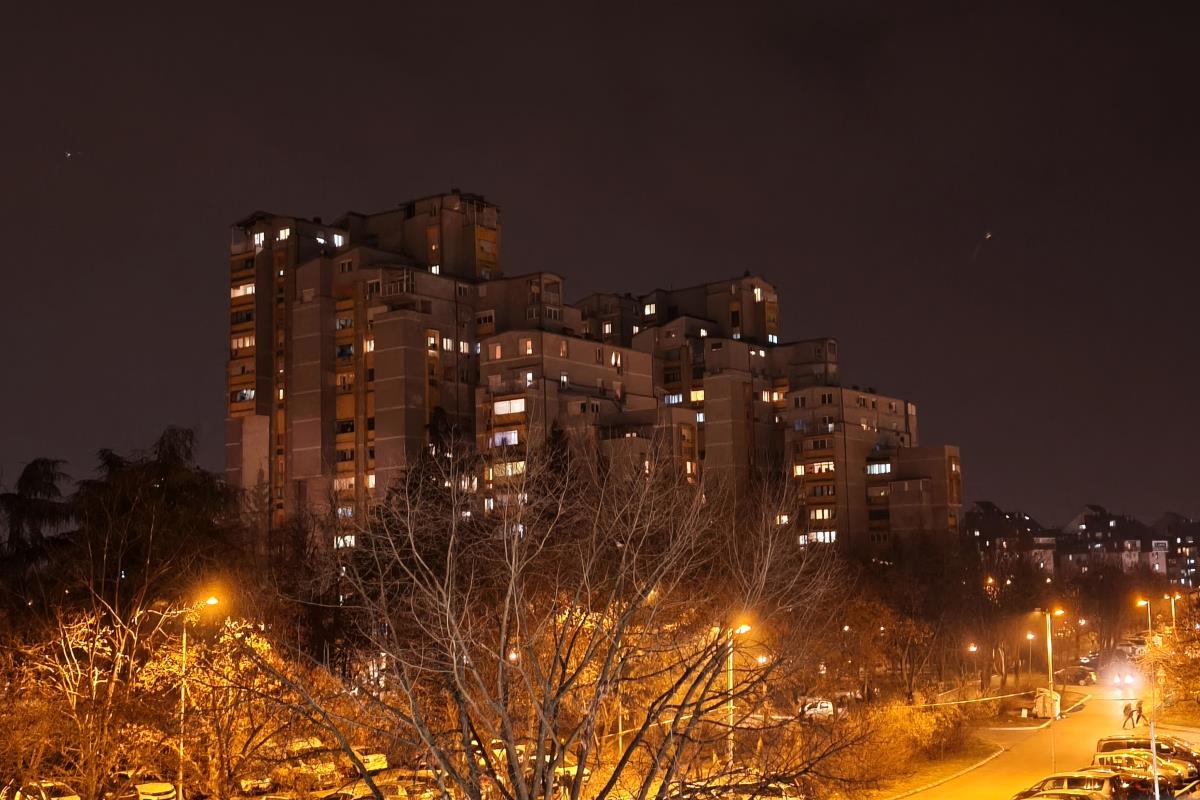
[854, 154]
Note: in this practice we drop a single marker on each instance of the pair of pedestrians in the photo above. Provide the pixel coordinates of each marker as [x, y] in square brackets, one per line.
[1134, 716]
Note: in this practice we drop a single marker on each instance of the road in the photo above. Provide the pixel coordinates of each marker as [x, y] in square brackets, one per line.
[1027, 753]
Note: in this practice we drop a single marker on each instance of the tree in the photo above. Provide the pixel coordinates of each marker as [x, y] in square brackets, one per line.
[600, 621]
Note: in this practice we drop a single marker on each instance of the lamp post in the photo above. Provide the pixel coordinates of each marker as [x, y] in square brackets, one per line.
[739, 630]
[1054, 708]
[211, 601]
[1172, 598]
[1153, 743]
[1029, 637]
[1149, 619]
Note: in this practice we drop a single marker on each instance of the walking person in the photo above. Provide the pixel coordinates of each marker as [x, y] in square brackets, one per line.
[1138, 714]
[1128, 712]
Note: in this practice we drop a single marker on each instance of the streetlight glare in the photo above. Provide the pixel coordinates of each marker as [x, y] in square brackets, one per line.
[212, 600]
[743, 628]
[971, 648]
[1030, 636]
[1143, 603]
[1058, 612]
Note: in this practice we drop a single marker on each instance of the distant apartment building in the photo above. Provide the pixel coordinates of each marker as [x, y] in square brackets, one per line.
[1097, 537]
[357, 345]
[1182, 535]
[1008, 538]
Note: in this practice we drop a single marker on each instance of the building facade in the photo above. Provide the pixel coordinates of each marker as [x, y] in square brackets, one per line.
[355, 346]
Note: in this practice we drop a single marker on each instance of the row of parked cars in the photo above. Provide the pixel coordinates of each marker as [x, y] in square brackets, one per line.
[132, 785]
[1121, 769]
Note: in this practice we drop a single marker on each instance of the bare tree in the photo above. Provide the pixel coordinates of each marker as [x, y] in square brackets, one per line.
[555, 623]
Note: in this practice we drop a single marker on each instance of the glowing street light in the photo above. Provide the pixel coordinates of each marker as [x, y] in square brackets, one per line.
[1149, 618]
[1173, 598]
[210, 602]
[738, 631]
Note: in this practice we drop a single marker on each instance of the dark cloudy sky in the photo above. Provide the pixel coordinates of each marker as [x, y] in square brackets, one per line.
[853, 153]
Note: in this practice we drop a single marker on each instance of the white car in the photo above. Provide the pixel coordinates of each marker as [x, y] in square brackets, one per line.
[38, 790]
[819, 709]
[139, 786]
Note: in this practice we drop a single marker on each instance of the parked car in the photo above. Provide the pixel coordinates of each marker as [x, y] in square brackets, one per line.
[1106, 783]
[819, 709]
[1170, 746]
[253, 785]
[1068, 794]
[1080, 676]
[138, 785]
[359, 790]
[1176, 772]
[310, 765]
[38, 790]
[372, 762]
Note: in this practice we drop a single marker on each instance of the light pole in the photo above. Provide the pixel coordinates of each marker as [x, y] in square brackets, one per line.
[1149, 619]
[1153, 710]
[211, 601]
[1172, 598]
[1054, 707]
[1029, 637]
[739, 630]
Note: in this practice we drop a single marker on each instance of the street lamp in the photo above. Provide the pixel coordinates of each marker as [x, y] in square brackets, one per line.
[738, 631]
[1149, 619]
[210, 601]
[1029, 637]
[1172, 598]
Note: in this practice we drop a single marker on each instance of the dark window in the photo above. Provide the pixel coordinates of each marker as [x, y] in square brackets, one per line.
[241, 316]
[343, 426]
[344, 351]
[370, 423]
[345, 455]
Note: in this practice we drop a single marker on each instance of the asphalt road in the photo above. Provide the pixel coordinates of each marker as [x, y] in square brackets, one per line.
[1027, 756]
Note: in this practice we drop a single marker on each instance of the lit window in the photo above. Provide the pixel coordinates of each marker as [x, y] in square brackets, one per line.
[495, 352]
[564, 349]
[607, 328]
[448, 344]
[526, 347]
[648, 309]
[370, 480]
[343, 323]
[283, 234]
[782, 519]
[431, 341]
[464, 347]
[824, 537]
[509, 468]
[699, 416]
[340, 542]
[338, 240]
[241, 342]
[798, 470]
[343, 484]
[766, 395]
[821, 513]
[436, 269]
[504, 438]
[736, 335]
[369, 345]
[243, 395]
[773, 338]
[529, 379]
[260, 239]
[673, 399]
[615, 359]
[689, 467]
[489, 503]
[515, 406]
[820, 467]
[241, 290]
[636, 329]
[758, 294]
[697, 396]
[345, 512]
[880, 468]
[280, 392]
[563, 380]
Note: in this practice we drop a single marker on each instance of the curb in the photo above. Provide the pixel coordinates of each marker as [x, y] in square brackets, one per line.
[1046, 724]
[1183, 728]
[948, 778]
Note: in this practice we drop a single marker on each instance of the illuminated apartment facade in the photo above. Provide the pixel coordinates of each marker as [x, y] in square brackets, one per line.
[356, 345]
